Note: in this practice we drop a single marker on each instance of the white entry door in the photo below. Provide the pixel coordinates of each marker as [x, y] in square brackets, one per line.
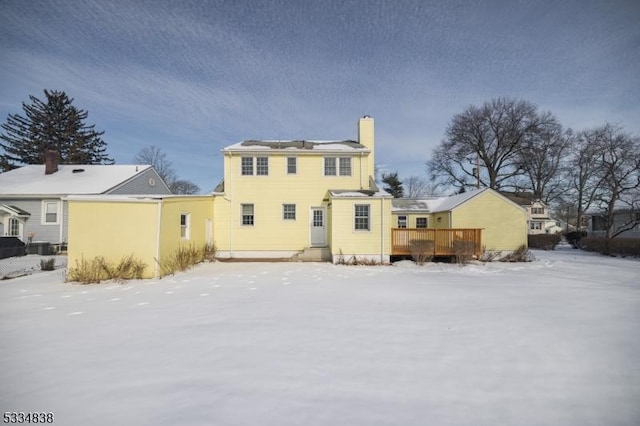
[318, 227]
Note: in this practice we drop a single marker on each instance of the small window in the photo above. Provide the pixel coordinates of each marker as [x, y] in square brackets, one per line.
[345, 166]
[292, 166]
[247, 214]
[362, 217]
[329, 166]
[289, 211]
[247, 166]
[536, 225]
[50, 212]
[185, 232]
[402, 221]
[262, 166]
[537, 210]
[421, 222]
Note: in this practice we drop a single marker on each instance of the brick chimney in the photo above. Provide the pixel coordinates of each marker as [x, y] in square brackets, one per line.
[51, 160]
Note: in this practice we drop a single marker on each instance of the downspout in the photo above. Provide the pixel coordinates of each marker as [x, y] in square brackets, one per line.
[381, 230]
[158, 228]
[230, 208]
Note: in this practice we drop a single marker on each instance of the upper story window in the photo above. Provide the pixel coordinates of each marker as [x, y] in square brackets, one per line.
[50, 212]
[537, 210]
[292, 165]
[422, 222]
[185, 225]
[334, 166]
[247, 166]
[261, 166]
[329, 166]
[362, 219]
[402, 221]
[345, 166]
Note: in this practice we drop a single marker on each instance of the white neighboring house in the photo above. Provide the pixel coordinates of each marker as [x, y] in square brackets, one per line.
[32, 198]
[538, 219]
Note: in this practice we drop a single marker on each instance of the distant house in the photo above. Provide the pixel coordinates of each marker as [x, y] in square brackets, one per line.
[32, 198]
[538, 219]
[626, 223]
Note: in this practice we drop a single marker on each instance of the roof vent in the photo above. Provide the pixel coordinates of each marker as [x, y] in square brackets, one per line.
[77, 170]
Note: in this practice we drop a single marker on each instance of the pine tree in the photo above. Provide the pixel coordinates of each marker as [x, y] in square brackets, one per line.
[393, 184]
[54, 125]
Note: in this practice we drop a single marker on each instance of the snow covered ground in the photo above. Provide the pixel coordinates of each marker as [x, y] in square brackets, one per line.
[552, 342]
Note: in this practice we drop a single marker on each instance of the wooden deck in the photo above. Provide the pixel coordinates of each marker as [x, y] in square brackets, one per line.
[436, 242]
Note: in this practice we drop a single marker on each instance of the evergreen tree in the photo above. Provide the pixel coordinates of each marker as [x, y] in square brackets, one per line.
[54, 125]
[393, 184]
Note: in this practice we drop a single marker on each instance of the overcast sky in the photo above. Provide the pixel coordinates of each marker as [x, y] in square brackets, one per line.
[195, 76]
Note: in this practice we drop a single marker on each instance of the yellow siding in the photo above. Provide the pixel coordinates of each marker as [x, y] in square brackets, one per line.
[366, 137]
[198, 209]
[373, 243]
[270, 232]
[411, 219]
[503, 224]
[113, 230]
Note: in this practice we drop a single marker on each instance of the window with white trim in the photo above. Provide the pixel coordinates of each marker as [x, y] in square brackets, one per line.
[289, 211]
[14, 227]
[330, 166]
[361, 216]
[537, 210]
[262, 166]
[247, 166]
[185, 226]
[422, 222]
[50, 212]
[402, 221]
[292, 165]
[247, 214]
[536, 225]
[345, 166]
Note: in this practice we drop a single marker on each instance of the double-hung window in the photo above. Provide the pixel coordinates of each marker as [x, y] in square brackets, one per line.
[402, 221]
[247, 214]
[262, 166]
[50, 212]
[289, 211]
[345, 166]
[247, 166]
[362, 219]
[330, 166]
[292, 166]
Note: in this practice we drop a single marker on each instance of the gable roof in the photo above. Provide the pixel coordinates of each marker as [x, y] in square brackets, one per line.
[69, 179]
[297, 145]
[440, 204]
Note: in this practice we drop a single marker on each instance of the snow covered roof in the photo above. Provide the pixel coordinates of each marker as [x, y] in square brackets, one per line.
[69, 179]
[351, 193]
[440, 204]
[296, 145]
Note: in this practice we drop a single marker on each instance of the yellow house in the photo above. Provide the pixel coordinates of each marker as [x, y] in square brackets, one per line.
[503, 222]
[302, 199]
[151, 228]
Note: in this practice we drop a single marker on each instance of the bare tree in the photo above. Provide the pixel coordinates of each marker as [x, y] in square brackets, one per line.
[157, 158]
[483, 143]
[417, 187]
[618, 169]
[542, 159]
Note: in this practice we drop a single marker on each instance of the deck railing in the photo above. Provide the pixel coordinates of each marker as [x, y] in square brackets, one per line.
[442, 242]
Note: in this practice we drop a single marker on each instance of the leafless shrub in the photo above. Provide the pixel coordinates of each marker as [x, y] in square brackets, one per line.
[422, 251]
